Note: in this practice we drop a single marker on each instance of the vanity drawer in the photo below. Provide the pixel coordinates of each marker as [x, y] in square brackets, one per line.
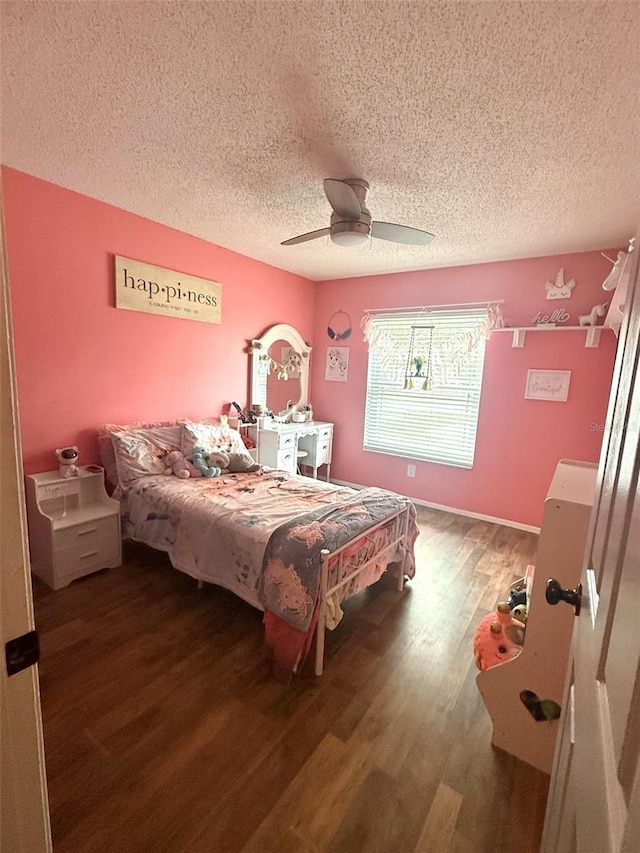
[286, 460]
[323, 452]
[325, 435]
[286, 440]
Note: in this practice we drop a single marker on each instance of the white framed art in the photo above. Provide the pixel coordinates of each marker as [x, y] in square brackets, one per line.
[337, 367]
[548, 385]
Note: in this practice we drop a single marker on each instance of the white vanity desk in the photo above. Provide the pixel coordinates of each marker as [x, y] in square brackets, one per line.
[278, 445]
[280, 372]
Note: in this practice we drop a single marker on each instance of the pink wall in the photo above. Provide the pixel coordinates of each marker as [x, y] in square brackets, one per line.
[519, 441]
[81, 362]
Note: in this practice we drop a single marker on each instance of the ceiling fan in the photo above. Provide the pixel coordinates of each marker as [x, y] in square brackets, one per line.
[351, 223]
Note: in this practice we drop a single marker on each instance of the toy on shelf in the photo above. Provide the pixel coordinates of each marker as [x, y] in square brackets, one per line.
[591, 319]
[499, 638]
[517, 599]
[68, 459]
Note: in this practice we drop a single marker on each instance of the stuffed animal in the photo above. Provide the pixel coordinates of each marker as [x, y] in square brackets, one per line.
[518, 595]
[233, 463]
[179, 466]
[499, 637]
[519, 612]
[198, 459]
[67, 457]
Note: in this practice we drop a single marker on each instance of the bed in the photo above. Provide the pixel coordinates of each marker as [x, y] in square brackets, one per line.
[292, 546]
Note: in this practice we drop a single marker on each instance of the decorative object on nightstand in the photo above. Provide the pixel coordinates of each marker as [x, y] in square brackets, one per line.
[74, 526]
[68, 459]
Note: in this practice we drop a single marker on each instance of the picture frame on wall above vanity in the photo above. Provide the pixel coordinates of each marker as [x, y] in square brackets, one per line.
[548, 385]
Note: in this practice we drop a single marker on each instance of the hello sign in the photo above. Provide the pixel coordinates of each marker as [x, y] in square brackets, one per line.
[156, 290]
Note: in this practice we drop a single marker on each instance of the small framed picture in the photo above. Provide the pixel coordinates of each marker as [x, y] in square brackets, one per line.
[548, 385]
[337, 367]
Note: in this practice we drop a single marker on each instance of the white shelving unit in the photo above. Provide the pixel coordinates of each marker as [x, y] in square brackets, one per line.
[74, 526]
[592, 339]
[541, 666]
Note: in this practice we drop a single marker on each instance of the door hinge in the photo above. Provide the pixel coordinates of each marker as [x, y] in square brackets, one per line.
[22, 652]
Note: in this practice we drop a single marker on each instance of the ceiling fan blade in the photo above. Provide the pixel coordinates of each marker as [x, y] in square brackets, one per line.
[302, 238]
[342, 198]
[401, 234]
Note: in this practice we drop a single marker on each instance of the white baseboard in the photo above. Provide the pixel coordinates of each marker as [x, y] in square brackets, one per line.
[529, 528]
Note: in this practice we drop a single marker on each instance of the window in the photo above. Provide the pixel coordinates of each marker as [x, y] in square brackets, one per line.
[424, 382]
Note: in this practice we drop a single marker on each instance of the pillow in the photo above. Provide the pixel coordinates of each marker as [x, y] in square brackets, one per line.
[106, 448]
[139, 452]
[210, 437]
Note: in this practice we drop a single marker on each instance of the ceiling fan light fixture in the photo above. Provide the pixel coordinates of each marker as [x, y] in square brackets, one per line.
[351, 223]
[350, 238]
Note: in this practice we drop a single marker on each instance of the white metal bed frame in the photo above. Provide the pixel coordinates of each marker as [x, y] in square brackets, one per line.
[329, 583]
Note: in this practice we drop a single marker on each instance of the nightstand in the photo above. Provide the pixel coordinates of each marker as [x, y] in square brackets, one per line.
[74, 526]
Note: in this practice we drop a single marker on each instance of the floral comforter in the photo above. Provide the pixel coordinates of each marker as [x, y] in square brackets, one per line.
[290, 582]
[258, 535]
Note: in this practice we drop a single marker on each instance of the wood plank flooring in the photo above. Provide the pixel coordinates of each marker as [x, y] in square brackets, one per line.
[164, 730]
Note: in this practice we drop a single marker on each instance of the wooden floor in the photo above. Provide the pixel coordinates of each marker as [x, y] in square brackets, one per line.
[164, 730]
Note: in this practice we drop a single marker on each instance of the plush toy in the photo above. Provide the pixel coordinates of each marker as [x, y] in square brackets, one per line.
[518, 595]
[519, 612]
[499, 637]
[198, 459]
[67, 457]
[233, 463]
[179, 466]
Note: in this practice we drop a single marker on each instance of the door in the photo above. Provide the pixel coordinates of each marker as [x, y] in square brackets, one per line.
[594, 799]
[24, 811]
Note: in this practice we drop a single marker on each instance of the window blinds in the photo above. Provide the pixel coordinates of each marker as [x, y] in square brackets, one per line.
[440, 424]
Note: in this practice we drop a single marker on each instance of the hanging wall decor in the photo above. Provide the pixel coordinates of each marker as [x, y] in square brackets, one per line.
[548, 385]
[339, 320]
[560, 289]
[337, 368]
[417, 375]
[156, 290]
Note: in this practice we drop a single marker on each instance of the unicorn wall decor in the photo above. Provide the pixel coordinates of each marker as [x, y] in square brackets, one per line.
[560, 289]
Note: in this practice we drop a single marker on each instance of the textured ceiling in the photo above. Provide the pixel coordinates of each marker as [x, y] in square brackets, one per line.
[507, 129]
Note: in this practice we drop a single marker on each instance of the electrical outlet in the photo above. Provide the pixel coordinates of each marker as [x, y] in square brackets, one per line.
[411, 470]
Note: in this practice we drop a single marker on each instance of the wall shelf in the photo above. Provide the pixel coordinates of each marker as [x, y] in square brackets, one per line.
[592, 339]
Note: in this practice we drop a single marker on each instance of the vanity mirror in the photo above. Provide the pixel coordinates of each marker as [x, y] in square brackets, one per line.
[279, 368]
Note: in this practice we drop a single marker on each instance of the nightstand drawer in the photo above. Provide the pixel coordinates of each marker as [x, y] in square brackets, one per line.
[86, 534]
[83, 557]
